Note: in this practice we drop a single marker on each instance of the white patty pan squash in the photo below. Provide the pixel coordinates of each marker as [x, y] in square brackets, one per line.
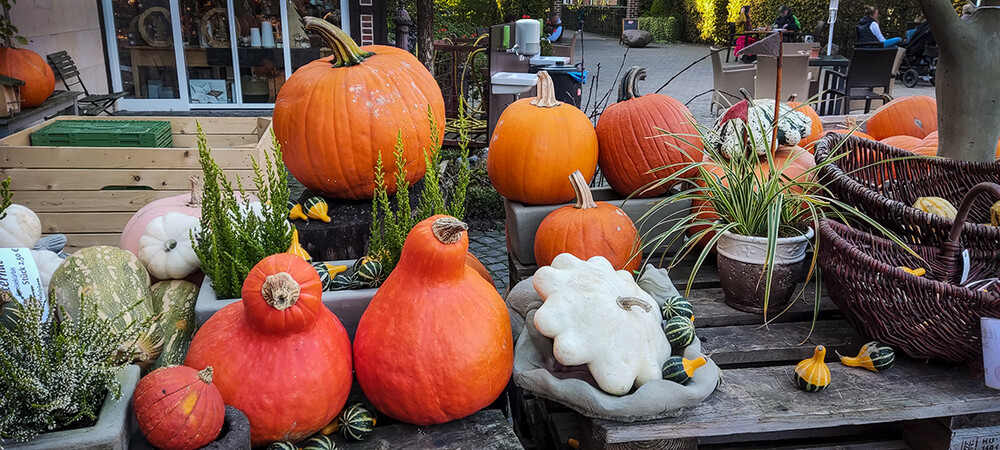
[47, 262]
[600, 317]
[19, 228]
[165, 247]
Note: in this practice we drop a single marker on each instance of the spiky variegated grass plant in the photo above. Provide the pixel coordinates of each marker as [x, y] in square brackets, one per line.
[749, 201]
[55, 374]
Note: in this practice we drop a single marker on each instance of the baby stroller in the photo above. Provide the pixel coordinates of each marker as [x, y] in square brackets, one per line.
[920, 60]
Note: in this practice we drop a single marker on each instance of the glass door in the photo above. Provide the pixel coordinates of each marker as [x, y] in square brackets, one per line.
[260, 51]
[142, 48]
[208, 34]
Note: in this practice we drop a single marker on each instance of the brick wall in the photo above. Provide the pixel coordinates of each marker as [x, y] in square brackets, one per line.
[632, 9]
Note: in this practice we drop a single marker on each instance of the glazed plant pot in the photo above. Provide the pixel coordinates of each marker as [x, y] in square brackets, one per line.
[742, 264]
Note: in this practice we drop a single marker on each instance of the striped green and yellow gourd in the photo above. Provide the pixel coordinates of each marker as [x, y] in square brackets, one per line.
[874, 356]
[356, 422]
[369, 273]
[295, 212]
[676, 306]
[680, 370]
[282, 445]
[679, 331]
[324, 275]
[318, 442]
[343, 283]
[812, 375]
[296, 248]
[317, 208]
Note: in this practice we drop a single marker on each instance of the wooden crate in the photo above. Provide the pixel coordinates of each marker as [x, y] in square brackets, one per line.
[89, 193]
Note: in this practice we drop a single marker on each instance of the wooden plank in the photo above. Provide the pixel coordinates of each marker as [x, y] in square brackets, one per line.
[486, 430]
[81, 158]
[77, 222]
[778, 343]
[74, 180]
[90, 201]
[855, 437]
[711, 310]
[76, 241]
[217, 141]
[934, 434]
[763, 399]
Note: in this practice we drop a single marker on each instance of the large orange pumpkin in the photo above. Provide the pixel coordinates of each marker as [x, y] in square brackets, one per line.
[435, 343]
[278, 354]
[178, 408]
[336, 115]
[536, 144]
[631, 139]
[27, 66]
[588, 229]
[816, 131]
[913, 116]
[903, 141]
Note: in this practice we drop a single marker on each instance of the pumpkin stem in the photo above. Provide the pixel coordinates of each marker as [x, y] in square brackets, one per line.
[627, 303]
[169, 245]
[791, 98]
[206, 375]
[584, 199]
[546, 92]
[448, 230]
[280, 291]
[629, 87]
[345, 51]
[820, 353]
[197, 191]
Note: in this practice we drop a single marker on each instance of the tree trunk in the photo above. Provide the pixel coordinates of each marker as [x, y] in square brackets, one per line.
[425, 33]
[968, 94]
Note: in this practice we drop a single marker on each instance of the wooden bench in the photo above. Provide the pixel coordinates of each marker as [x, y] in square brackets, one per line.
[916, 404]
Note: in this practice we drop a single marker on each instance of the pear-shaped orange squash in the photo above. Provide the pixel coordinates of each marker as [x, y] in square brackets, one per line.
[435, 343]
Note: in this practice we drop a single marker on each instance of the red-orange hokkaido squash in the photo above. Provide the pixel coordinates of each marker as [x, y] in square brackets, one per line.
[435, 343]
[279, 355]
[178, 408]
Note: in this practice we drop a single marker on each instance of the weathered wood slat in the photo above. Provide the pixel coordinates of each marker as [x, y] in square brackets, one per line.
[77, 241]
[120, 158]
[486, 430]
[763, 399]
[780, 342]
[76, 222]
[90, 201]
[710, 309]
[95, 179]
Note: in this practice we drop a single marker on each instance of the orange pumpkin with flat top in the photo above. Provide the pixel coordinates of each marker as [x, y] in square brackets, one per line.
[178, 408]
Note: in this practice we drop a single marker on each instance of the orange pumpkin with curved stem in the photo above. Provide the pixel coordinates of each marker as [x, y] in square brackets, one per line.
[335, 115]
[816, 131]
[536, 144]
[29, 67]
[631, 139]
[913, 116]
[278, 354]
[435, 343]
[588, 229]
[178, 408]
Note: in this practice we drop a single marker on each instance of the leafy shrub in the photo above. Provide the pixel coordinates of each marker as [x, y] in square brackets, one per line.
[6, 197]
[663, 29]
[658, 9]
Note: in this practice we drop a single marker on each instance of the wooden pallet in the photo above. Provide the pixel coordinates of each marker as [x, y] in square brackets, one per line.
[917, 404]
[90, 193]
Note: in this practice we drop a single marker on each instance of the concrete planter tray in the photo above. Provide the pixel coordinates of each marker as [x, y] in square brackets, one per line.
[523, 220]
[348, 306]
[111, 432]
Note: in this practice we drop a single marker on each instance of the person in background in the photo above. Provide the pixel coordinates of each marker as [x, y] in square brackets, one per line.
[510, 18]
[743, 24]
[554, 27]
[967, 11]
[869, 31]
[909, 33]
[786, 20]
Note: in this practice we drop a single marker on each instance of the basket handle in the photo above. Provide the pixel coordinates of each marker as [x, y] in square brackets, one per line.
[950, 250]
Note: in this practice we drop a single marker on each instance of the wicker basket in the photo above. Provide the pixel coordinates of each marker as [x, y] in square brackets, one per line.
[866, 177]
[933, 316]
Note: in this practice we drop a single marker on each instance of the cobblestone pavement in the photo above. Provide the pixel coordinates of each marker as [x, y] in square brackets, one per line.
[491, 249]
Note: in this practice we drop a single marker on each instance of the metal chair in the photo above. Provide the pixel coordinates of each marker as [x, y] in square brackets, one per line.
[728, 80]
[90, 104]
[870, 69]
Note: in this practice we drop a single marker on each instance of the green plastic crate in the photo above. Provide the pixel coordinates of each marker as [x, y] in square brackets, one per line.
[104, 133]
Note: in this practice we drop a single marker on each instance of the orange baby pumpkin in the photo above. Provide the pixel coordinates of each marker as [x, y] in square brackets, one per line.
[29, 67]
[588, 229]
[816, 131]
[631, 139]
[336, 115]
[178, 408]
[536, 144]
[435, 343]
[278, 354]
[913, 116]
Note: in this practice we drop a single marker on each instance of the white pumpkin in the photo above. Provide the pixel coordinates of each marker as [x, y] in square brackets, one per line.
[165, 247]
[20, 227]
[47, 263]
[600, 317]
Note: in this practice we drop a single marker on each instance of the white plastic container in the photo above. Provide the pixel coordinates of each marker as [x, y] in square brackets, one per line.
[528, 33]
[991, 350]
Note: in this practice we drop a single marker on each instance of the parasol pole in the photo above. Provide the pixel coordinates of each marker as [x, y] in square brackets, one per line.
[777, 93]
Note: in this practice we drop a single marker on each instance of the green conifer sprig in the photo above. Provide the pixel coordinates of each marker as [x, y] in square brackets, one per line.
[6, 197]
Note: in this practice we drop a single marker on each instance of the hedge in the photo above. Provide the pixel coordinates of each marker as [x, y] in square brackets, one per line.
[606, 20]
[667, 29]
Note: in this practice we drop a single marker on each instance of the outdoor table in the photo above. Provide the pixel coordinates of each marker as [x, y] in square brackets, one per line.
[836, 63]
[59, 103]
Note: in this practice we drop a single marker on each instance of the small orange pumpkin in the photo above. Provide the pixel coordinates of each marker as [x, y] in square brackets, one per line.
[913, 116]
[816, 131]
[178, 408]
[536, 144]
[29, 67]
[588, 229]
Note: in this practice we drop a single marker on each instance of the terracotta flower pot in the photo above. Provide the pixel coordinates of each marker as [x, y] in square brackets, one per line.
[742, 263]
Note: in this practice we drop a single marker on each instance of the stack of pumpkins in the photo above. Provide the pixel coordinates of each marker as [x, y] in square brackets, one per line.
[540, 142]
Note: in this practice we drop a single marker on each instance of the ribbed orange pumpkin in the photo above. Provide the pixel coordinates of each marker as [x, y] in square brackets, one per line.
[279, 355]
[178, 408]
[335, 115]
[27, 66]
[435, 343]
[816, 131]
[913, 116]
[904, 142]
[631, 141]
[588, 229]
[536, 144]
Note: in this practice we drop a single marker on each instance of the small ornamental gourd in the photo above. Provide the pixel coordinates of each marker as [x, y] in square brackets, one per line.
[676, 306]
[680, 370]
[178, 408]
[812, 375]
[317, 208]
[435, 343]
[343, 283]
[874, 356]
[296, 248]
[188, 204]
[324, 275]
[296, 347]
[356, 422]
[936, 206]
[679, 331]
[319, 442]
[282, 445]
[166, 248]
[370, 273]
[995, 214]
[918, 272]
[295, 212]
